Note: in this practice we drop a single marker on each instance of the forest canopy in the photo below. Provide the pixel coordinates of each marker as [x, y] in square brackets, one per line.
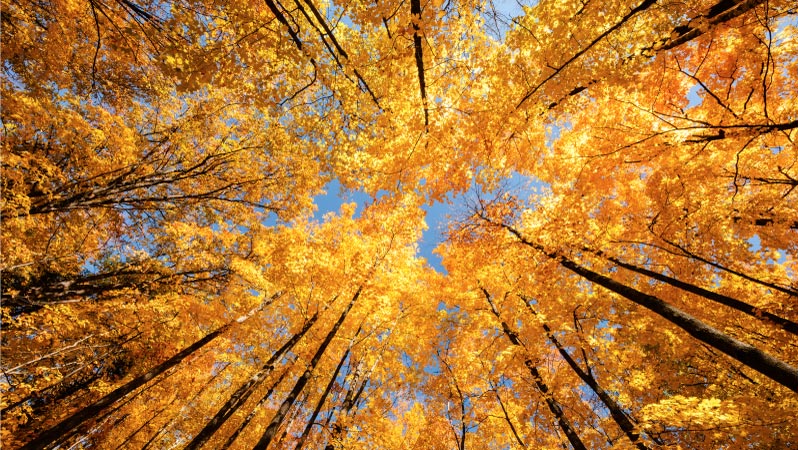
[620, 268]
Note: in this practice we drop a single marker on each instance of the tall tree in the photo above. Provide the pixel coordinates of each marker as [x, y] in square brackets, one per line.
[66, 427]
[164, 168]
[276, 422]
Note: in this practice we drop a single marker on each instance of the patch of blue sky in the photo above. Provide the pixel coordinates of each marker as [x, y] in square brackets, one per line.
[502, 13]
[605, 324]
[334, 196]
[755, 245]
[407, 360]
[437, 213]
[553, 132]
[512, 8]
[780, 33]
[694, 96]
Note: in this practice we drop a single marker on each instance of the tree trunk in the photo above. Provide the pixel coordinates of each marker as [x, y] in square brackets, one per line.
[112, 364]
[350, 399]
[351, 394]
[617, 413]
[323, 398]
[271, 429]
[785, 324]
[773, 368]
[54, 435]
[690, 255]
[507, 416]
[551, 402]
[166, 427]
[252, 413]
[242, 394]
[719, 13]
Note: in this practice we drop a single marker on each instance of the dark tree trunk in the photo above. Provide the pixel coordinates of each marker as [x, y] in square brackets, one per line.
[747, 354]
[785, 324]
[351, 398]
[415, 12]
[352, 394]
[690, 255]
[271, 429]
[242, 394]
[719, 13]
[163, 429]
[252, 413]
[551, 402]
[617, 413]
[54, 435]
[320, 403]
[53, 289]
[507, 417]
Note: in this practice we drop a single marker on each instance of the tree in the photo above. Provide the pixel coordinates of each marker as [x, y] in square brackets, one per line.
[67, 427]
[621, 272]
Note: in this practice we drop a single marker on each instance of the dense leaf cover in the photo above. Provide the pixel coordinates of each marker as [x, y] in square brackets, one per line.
[620, 271]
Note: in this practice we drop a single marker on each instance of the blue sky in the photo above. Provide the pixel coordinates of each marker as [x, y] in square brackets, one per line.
[437, 213]
[436, 217]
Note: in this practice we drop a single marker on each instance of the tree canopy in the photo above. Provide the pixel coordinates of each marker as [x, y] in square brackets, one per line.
[620, 269]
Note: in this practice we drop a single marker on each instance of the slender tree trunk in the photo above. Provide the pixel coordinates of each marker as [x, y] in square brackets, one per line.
[99, 421]
[356, 398]
[551, 402]
[507, 416]
[461, 440]
[415, 12]
[721, 12]
[293, 413]
[617, 413]
[38, 293]
[773, 368]
[683, 252]
[242, 394]
[254, 411]
[320, 403]
[54, 435]
[351, 397]
[74, 381]
[785, 324]
[555, 407]
[352, 393]
[271, 429]
[146, 423]
[358, 381]
[163, 429]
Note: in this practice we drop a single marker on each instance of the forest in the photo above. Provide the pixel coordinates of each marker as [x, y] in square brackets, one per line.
[618, 264]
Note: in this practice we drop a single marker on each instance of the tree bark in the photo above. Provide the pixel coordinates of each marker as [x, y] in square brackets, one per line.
[773, 368]
[507, 416]
[551, 402]
[54, 435]
[721, 12]
[616, 411]
[350, 399]
[164, 428]
[242, 394]
[415, 13]
[252, 413]
[785, 324]
[271, 429]
[322, 399]
[690, 255]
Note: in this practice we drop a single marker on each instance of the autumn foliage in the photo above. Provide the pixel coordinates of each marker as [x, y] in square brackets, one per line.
[620, 268]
